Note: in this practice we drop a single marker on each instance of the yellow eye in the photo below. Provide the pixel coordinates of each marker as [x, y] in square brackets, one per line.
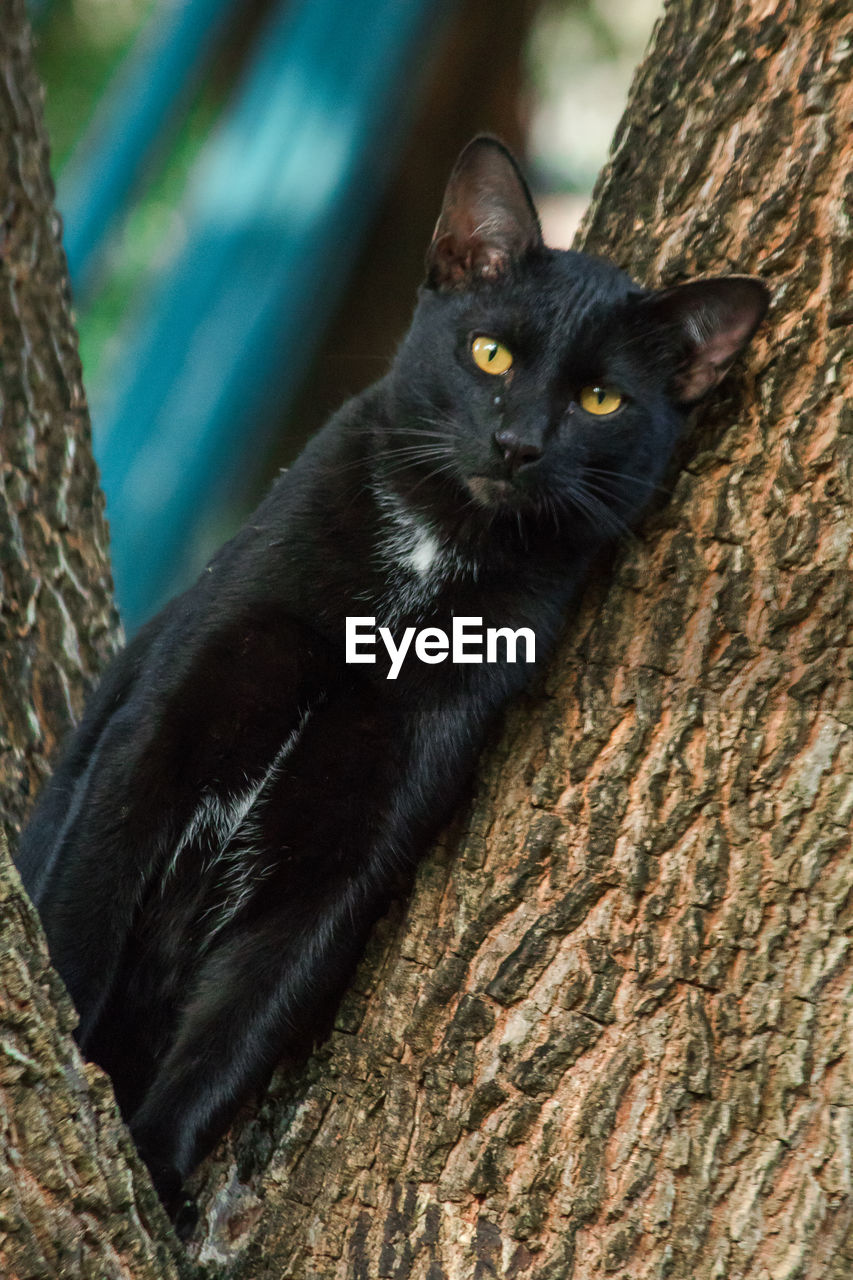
[600, 400]
[490, 355]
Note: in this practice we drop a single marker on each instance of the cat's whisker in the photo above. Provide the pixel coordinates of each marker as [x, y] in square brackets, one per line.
[551, 509]
[406, 455]
[360, 465]
[421, 441]
[448, 467]
[424, 425]
[445, 445]
[607, 497]
[418, 451]
[411, 463]
[624, 475]
[609, 493]
[598, 513]
[610, 519]
[414, 432]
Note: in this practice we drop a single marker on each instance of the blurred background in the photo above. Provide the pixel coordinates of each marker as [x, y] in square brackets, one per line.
[248, 188]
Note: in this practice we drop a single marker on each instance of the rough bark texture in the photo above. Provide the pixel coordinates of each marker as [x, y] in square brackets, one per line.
[70, 1203]
[57, 623]
[611, 1035]
[75, 1201]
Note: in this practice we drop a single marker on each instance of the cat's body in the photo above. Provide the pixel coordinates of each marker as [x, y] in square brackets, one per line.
[240, 803]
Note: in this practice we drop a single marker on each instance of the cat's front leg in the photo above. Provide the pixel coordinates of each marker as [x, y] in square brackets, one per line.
[268, 989]
[107, 852]
[200, 720]
[336, 831]
[59, 804]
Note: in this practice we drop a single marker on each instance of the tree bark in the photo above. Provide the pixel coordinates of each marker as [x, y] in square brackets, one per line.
[74, 1199]
[607, 1036]
[57, 622]
[610, 1036]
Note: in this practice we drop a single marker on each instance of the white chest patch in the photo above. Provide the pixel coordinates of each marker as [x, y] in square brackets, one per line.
[409, 545]
[424, 553]
[415, 559]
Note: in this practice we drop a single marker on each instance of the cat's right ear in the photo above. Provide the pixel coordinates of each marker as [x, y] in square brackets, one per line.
[487, 221]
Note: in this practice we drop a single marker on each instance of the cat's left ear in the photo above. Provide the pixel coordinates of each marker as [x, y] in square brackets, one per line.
[711, 321]
[487, 221]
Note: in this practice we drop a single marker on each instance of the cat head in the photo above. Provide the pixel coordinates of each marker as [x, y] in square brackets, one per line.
[546, 384]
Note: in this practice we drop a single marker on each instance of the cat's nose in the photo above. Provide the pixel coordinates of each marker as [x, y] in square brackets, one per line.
[516, 452]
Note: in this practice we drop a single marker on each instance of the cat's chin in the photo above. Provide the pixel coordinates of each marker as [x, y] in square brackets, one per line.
[492, 493]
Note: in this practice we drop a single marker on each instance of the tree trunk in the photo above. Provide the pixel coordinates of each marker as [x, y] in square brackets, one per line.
[608, 1035]
[74, 1200]
[57, 623]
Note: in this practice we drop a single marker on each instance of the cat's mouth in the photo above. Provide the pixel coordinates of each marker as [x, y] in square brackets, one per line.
[489, 492]
[497, 491]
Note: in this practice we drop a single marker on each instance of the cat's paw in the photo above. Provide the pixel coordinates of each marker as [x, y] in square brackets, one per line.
[168, 1182]
[184, 1217]
[179, 1205]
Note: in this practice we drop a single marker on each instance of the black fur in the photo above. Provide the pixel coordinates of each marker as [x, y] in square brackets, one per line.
[239, 804]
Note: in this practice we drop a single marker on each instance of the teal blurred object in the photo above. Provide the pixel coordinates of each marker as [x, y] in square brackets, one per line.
[37, 10]
[151, 85]
[278, 204]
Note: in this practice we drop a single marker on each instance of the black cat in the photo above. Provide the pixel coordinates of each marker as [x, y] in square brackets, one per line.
[240, 802]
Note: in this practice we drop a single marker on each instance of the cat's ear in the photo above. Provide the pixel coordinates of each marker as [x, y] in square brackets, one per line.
[487, 221]
[711, 321]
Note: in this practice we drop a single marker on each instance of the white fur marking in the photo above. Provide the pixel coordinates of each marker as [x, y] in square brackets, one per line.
[222, 818]
[416, 561]
[238, 855]
[423, 553]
